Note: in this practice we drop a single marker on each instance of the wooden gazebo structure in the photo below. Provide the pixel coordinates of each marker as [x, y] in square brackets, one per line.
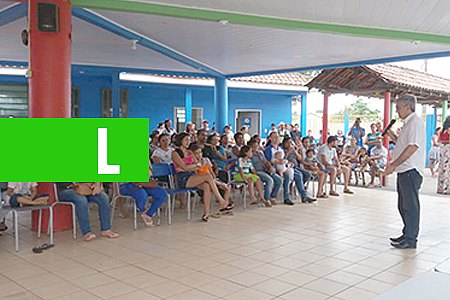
[382, 81]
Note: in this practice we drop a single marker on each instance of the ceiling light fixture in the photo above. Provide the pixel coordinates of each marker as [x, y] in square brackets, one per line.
[223, 22]
[134, 44]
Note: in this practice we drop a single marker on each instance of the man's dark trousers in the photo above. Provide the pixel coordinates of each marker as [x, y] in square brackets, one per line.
[408, 185]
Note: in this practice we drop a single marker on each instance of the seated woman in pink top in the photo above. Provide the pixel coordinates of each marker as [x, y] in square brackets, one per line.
[186, 166]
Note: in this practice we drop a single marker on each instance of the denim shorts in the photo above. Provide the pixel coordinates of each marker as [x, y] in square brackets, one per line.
[182, 179]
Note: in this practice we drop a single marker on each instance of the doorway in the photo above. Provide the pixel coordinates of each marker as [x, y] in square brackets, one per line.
[250, 118]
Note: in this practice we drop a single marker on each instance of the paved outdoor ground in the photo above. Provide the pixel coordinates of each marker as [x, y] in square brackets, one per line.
[337, 249]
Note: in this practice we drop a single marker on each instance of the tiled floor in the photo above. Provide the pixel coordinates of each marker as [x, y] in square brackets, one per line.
[337, 249]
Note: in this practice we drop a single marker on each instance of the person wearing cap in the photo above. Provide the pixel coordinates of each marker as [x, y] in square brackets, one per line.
[328, 158]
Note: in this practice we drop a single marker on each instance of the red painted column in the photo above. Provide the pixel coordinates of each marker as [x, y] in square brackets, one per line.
[325, 118]
[387, 115]
[386, 120]
[50, 84]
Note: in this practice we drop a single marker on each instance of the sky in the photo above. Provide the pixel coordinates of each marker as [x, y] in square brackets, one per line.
[436, 66]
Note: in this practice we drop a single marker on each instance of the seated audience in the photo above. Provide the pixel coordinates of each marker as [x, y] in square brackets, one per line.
[163, 153]
[206, 167]
[247, 173]
[140, 191]
[82, 193]
[216, 152]
[229, 134]
[378, 158]
[168, 128]
[190, 129]
[301, 176]
[328, 158]
[282, 165]
[264, 169]
[25, 194]
[247, 136]
[186, 166]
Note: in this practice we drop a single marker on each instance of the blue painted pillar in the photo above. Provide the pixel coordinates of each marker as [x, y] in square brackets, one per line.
[303, 120]
[346, 124]
[430, 128]
[115, 94]
[188, 104]
[220, 103]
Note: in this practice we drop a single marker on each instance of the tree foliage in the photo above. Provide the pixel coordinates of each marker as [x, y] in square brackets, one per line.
[359, 108]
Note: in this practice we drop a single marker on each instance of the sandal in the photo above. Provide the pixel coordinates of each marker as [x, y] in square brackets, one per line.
[231, 206]
[205, 218]
[42, 247]
[267, 203]
[216, 215]
[347, 191]
[89, 237]
[148, 221]
[322, 196]
[333, 193]
[109, 234]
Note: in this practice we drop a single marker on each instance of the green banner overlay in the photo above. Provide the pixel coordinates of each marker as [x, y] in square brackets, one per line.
[74, 150]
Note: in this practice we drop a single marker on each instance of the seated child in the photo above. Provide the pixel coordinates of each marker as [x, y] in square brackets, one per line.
[25, 193]
[363, 163]
[282, 165]
[312, 164]
[247, 174]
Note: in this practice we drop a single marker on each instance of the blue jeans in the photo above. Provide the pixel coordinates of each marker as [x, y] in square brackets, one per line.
[272, 184]
[82, 209]
[299, 182]
[141, 195]
[408, 185]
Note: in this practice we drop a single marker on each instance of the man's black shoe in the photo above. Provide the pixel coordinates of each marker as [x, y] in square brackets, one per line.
[398, 239]
[308, 199]
[404, 245]
[288, 202]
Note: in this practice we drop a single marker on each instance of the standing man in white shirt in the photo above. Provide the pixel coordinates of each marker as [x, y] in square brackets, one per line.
[409, 163]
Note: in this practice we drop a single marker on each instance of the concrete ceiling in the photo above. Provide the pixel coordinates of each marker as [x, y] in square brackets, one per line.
[254, 36]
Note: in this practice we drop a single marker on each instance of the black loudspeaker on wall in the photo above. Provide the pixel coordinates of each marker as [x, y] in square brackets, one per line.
[48, 17]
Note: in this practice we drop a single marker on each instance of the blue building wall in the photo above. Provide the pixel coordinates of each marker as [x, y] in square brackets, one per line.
[156, 101]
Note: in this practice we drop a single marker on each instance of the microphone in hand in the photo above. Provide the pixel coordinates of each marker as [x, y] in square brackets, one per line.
[391, 123]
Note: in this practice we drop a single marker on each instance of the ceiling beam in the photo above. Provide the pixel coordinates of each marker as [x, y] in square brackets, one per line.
[256, 20]
[106, 24]
[12, 13]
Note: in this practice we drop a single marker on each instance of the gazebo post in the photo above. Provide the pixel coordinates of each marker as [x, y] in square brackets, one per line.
[325, 118]
[387, 116]
[386, 120]
[444, 110]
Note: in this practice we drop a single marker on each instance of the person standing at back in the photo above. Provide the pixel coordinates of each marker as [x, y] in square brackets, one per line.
[357, 132]
[409, 163]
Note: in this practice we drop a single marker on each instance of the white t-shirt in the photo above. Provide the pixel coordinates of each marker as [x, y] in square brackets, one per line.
[329, 154]
[164, 156]
[412, 133]
[23, 188]
[380, 151]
